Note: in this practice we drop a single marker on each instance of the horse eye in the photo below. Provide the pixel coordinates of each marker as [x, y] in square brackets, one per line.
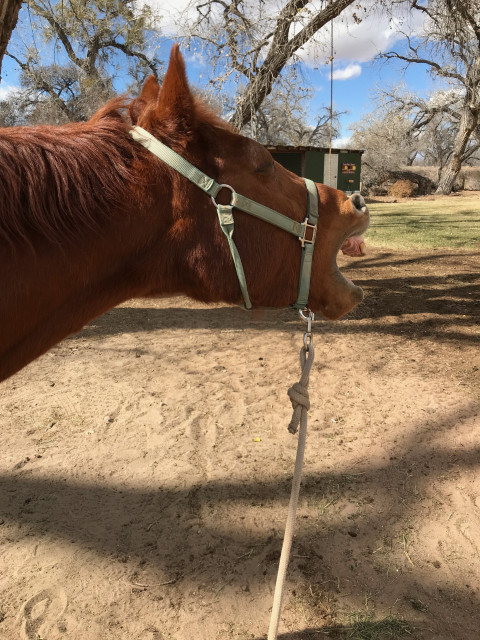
[267, 166]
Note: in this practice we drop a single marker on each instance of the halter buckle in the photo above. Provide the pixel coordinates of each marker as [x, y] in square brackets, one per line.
[303, 239]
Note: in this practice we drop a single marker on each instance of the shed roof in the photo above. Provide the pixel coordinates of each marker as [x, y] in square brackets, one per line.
[293, 149]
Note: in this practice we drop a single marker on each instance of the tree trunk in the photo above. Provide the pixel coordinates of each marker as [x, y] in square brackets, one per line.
[280, 52]
[8, 19]
[468, 124]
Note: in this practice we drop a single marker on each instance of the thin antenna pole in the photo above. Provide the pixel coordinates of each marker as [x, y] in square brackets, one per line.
[331, 106]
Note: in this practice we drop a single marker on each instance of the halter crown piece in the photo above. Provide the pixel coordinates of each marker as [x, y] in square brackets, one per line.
[237, 201]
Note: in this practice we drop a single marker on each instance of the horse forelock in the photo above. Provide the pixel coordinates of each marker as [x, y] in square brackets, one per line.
[58, 181]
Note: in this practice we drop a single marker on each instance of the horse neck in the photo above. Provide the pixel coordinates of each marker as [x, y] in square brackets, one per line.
[50, 291]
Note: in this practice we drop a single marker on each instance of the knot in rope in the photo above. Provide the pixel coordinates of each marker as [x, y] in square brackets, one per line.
[298, 392]
[299, 398]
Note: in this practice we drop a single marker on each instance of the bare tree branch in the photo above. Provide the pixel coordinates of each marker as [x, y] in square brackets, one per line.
[450, 43]
[44, 86]
[151, 64]
[280, 52]
[57, 27]
[390, 55]
[91, 36]
[256, 42]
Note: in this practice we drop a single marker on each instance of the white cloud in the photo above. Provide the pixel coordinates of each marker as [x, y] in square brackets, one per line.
[353, 41]
[350, 71]
[6, 90]
[176, 17]
[362, 41]
[342, 143]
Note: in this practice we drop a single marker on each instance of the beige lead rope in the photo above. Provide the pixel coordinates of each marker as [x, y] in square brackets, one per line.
[298, 394]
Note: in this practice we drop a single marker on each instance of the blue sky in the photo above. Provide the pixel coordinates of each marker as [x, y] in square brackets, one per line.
[356, 74]
[356, 94]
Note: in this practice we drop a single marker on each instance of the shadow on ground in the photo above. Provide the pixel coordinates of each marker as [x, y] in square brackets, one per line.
[186, 534]
[441, 302]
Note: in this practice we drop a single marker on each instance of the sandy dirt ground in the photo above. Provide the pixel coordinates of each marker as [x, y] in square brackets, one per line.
[136, 502]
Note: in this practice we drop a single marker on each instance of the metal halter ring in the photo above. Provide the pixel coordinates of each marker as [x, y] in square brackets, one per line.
[224, 186]
[307, 336]
[308, 319]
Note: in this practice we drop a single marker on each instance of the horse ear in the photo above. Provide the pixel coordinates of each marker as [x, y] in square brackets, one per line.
[175, 99]
[149, 90]
[148, 95]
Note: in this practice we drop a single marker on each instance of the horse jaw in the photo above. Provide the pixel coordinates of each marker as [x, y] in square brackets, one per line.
[340, 295]
[333, 294]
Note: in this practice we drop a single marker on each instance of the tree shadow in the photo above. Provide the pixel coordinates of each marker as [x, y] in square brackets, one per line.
[187, 534]
[165, 529]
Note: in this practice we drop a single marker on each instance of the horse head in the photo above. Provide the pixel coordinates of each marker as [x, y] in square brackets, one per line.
[204, 268]
[89, 218]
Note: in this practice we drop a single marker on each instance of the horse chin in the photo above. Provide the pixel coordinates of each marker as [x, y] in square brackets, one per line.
[340, 296]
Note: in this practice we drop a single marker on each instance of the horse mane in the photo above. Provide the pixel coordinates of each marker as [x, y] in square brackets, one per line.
[58, 180]
[209, 117]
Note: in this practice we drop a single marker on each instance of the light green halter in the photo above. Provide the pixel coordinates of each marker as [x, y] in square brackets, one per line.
[237, 201]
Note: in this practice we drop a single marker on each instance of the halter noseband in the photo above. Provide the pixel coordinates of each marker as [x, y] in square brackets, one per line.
[237, 201]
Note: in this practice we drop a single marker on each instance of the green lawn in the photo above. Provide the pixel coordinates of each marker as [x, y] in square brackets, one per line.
[449, 222]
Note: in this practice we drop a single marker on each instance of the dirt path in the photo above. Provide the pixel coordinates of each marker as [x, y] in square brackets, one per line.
[136, 505]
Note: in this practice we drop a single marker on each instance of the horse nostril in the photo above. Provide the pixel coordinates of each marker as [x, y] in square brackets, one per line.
[358, 201]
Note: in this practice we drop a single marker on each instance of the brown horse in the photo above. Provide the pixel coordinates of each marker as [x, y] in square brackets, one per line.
[89, 218]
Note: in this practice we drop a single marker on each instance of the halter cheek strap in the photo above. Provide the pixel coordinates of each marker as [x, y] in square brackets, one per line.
[305, 231]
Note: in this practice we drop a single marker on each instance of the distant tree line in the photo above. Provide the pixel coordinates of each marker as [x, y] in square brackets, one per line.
[71, 54]
[443, 130]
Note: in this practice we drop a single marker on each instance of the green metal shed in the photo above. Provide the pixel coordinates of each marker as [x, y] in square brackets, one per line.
[339, 169]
